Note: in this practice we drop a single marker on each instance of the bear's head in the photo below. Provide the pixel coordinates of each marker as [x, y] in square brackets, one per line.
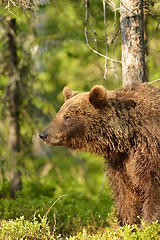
[78, 120]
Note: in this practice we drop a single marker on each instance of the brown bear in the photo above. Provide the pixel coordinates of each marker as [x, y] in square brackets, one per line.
[124, 127]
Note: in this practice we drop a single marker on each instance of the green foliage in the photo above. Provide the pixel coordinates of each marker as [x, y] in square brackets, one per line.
[24, 229]
[149, 232]
[68, 59]
[66, 203]
[73, 212]
[85, 203]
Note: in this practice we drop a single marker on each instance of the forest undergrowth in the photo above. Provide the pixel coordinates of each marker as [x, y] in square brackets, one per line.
[69, 199]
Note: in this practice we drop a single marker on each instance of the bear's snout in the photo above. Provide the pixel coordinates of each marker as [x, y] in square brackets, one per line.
[43, 135]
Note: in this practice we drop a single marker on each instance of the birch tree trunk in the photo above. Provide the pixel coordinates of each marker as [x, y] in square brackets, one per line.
[12, 105]
[133, 47]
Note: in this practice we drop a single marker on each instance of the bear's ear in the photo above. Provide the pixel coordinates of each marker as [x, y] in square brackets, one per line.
[98, 96]
[68, 93]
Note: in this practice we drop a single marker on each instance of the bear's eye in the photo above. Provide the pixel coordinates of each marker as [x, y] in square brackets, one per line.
[67, 118]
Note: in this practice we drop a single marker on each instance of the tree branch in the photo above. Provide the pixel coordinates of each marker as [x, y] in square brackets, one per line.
[154, 81]
[153, 33]
[86, 37]
[106, 39]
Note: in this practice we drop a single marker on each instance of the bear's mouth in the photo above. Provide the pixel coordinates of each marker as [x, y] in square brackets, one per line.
[56, 140]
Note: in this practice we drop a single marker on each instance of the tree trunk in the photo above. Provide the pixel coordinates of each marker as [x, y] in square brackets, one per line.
[12, 105]
[133, 47]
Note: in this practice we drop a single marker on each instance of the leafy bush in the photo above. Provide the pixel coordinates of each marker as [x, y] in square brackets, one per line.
[149, 232]
[71, 213]
[24, 229]
[85, 203]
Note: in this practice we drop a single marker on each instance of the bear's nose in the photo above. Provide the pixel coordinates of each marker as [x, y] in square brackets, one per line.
[43, 135]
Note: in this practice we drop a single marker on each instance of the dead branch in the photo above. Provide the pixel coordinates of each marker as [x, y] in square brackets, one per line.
[106, 39]
[54, 204]
[153, 33]
[87, 41]
[26, 5]
[154, 81]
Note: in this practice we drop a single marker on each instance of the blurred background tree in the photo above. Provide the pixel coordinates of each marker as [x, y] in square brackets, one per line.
[43, 47]
[12, 94]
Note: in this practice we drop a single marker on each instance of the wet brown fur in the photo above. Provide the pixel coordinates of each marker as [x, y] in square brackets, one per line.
[124, 127]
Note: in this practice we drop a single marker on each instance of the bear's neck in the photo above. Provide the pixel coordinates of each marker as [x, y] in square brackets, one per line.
[114, 131]
[110, 142]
